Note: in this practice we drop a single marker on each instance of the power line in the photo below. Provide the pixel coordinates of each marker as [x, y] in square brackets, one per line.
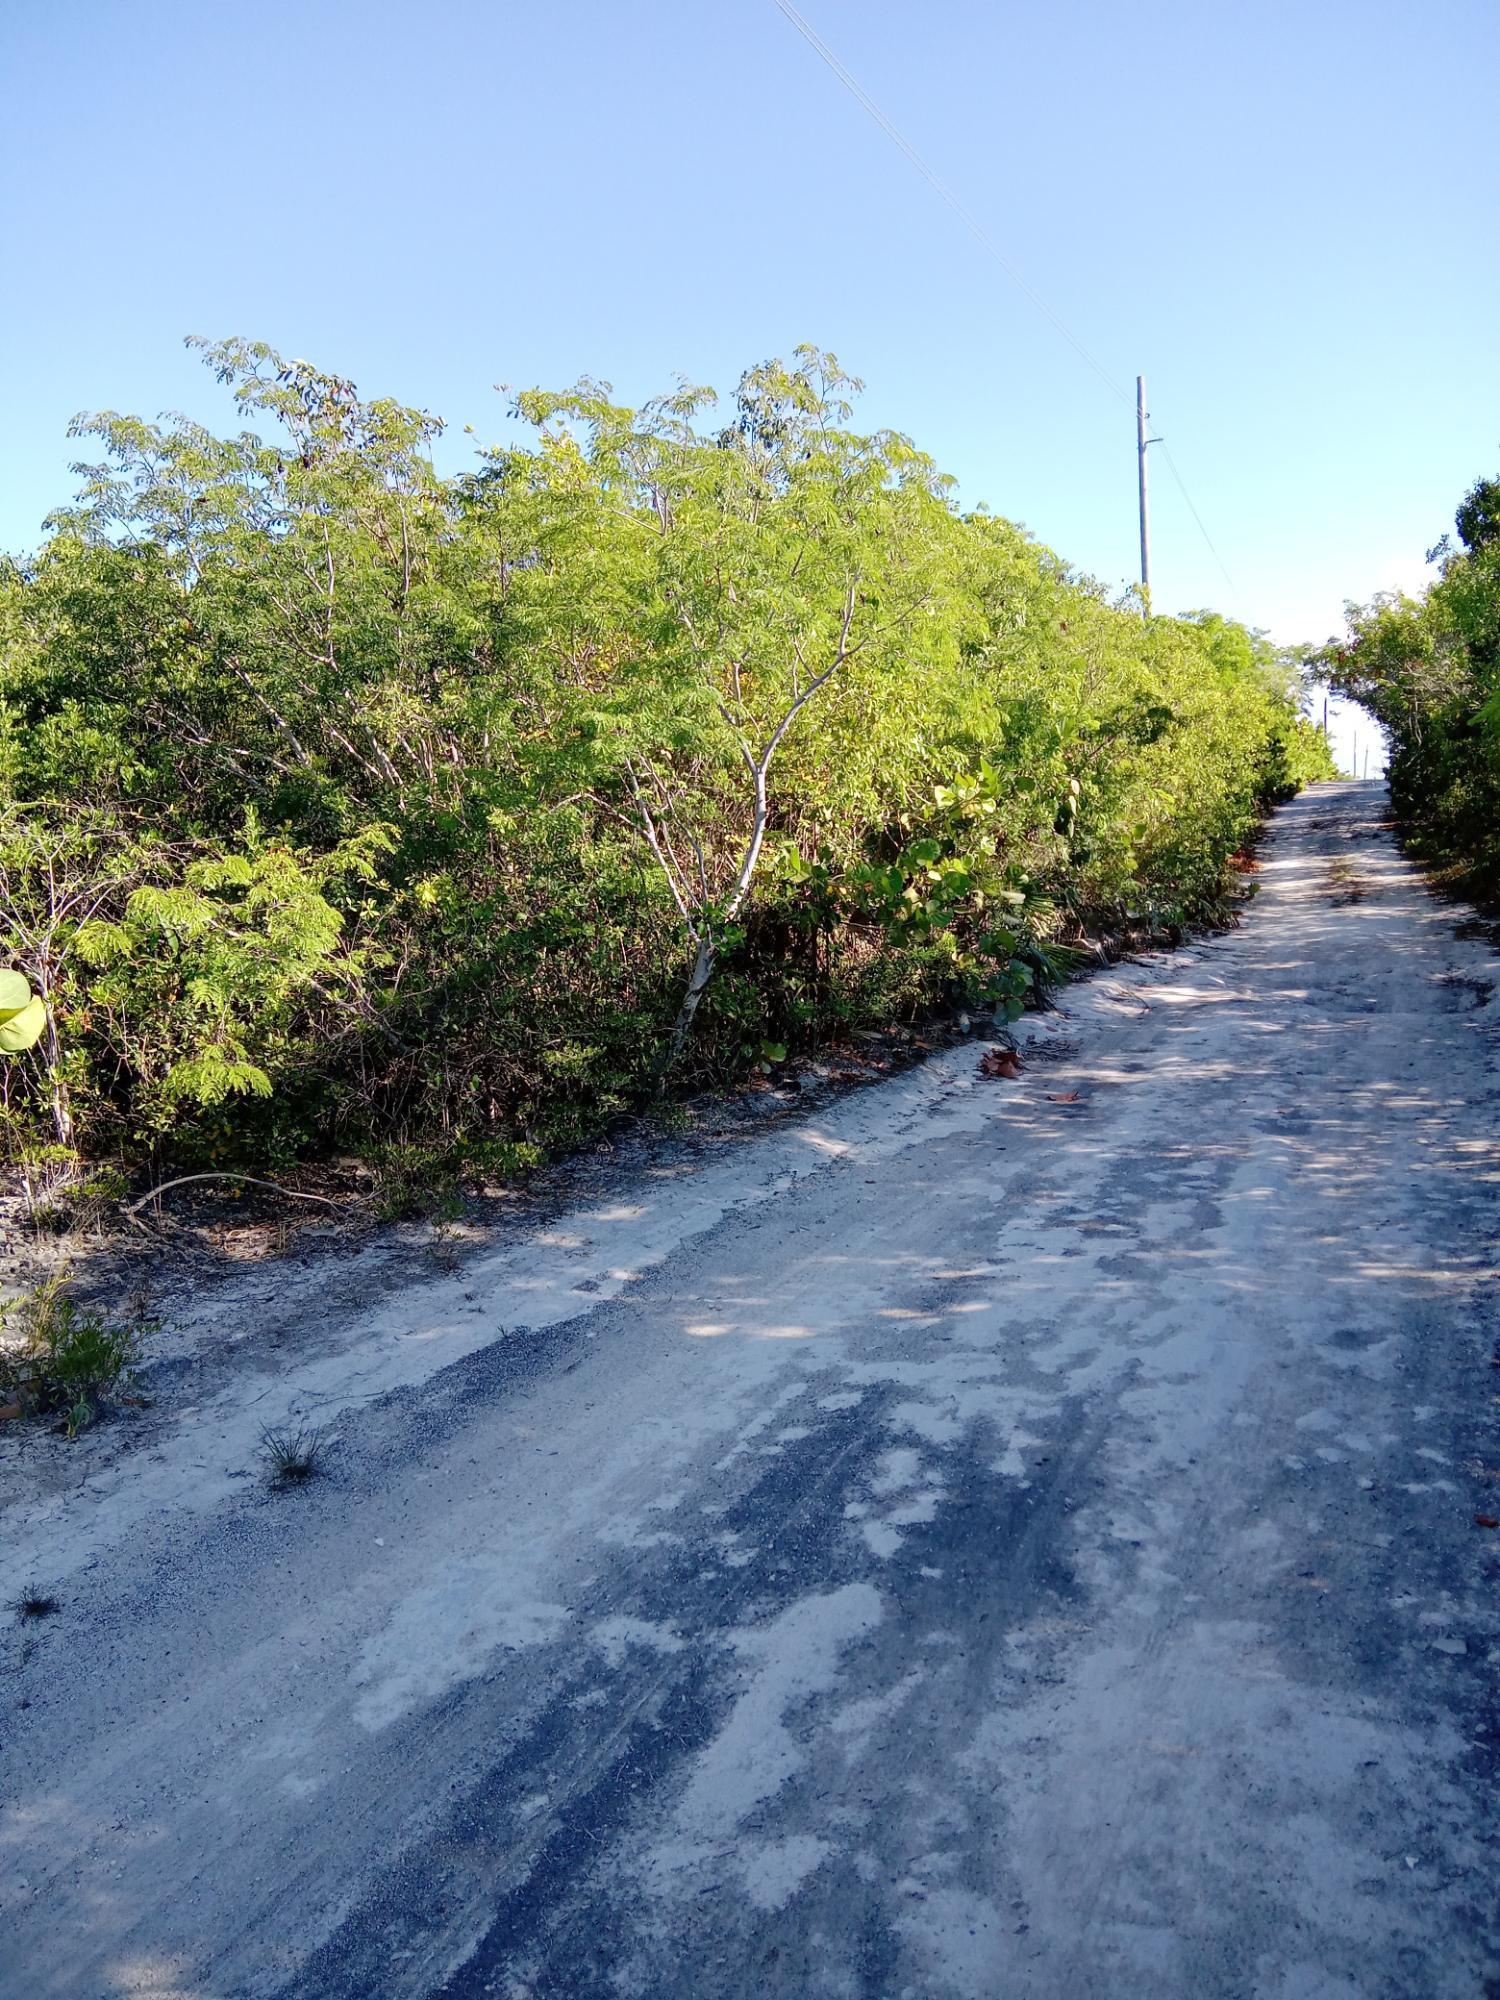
[1182, 489]
[982, 236]
[975, 228]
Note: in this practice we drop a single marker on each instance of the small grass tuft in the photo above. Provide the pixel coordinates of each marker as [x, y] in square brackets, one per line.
[35, 1604]
[293, 1456]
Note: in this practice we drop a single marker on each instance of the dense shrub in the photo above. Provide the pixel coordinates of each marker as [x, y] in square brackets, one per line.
[342, 803]
[1428, 670]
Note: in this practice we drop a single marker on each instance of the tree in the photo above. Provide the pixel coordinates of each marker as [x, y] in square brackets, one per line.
[1478, 516]
[455, 811]
[1428, 669]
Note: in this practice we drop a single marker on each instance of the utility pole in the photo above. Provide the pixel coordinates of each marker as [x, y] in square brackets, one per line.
[1141, 441]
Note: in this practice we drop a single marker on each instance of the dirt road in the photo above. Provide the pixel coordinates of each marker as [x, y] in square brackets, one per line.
[988, 1539]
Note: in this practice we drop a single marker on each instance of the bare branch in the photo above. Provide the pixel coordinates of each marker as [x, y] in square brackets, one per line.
[844, 652]
[668, 867]
[270, 708]
[741, 745]
[240, 1180]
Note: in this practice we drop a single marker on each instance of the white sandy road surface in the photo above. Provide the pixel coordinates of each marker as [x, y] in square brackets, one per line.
[966, 1543]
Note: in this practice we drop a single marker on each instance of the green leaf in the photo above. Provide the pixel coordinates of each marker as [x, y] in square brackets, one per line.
[15, 993]
[23, 1029]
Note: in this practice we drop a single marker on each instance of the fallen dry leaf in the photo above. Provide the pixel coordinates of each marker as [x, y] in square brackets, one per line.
[1001, 1062]
[1486, 1521]
[1062, 1096]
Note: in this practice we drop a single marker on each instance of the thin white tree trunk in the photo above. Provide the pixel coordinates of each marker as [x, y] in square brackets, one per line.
[700, 928]
[703, 971]
[62, 1110]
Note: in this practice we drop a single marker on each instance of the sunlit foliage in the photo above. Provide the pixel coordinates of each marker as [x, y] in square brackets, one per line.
[1428, 669]
[344, 804]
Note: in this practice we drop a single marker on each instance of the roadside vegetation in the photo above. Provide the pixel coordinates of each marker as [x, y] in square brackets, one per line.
[1428, 669]
[344, 805]
[62, 1357]
[292, 1456]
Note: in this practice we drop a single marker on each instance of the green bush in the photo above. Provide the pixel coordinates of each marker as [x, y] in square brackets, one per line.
[342, 804]
[1428, 670]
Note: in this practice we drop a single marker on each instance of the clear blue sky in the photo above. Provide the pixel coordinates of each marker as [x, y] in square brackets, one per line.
[1284, 214]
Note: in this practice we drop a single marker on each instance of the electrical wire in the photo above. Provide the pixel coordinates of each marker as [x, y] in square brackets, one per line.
[975, 228]
[982, 236]
[1182, 489]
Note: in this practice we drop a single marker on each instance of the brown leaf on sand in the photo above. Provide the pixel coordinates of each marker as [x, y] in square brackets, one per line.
[1000, 1062]
[1062, 1096]
[1486, 1521]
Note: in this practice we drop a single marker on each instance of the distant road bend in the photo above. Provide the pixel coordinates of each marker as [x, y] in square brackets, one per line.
[983, 1541]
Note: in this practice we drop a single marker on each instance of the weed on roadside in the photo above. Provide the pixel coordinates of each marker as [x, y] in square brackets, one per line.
[35, 1604]
[293, 1456]
[427, 1183]
[416, 1182]
[445, 1246]
[57, 1356]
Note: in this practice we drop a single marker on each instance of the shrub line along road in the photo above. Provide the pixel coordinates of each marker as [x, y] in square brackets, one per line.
[988, 1539]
